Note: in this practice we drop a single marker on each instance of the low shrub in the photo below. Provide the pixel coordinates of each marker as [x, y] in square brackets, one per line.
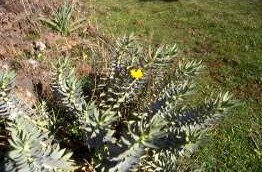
[134, 120]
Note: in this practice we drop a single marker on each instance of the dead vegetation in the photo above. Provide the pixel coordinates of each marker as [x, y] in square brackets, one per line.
[20, 29]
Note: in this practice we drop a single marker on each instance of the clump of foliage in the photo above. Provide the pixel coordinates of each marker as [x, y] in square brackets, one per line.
[135, 120]
[62, 20]
[32, 148]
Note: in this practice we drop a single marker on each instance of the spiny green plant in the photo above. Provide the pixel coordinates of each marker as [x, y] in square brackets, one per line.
[6, 97]
[33, 149]
[142, 134]
[119, 126]
[122, 131]
[62, 20]
[30, 147]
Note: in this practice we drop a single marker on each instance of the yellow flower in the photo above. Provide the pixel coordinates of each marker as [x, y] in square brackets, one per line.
[136, 73]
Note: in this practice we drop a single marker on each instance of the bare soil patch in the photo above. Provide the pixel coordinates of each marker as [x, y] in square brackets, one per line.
[20, 29]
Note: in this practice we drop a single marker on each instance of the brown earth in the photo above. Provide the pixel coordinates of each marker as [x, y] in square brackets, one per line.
[18, 19]
[20, 28]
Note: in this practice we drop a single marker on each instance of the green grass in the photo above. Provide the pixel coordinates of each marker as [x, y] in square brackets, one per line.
[227, 36]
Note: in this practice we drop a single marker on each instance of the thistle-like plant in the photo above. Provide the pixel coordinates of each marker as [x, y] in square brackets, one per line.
[133, 133]
[6, 97]
[130, 71]
[97, 125]
[121, 127]
[62, 20]
[67, 89]
[142, 135]
[33, 150]
[30, 147]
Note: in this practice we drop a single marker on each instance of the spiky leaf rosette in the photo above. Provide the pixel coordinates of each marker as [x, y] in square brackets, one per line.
[42, 118]
[142, 135]
[33, 150]
[97, 125]
[180, 116]
[131, 72]
[185, 125]
[7, 99]
[119, 87]
[165, 160]
[66, 87]
[203, 115]
[62, 19]
[179, 90]
[158, 161]
[184, 132]
[157, 61]
[10, 105]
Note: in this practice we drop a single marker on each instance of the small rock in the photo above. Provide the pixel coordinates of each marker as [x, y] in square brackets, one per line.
[24, 90]
[40, 46]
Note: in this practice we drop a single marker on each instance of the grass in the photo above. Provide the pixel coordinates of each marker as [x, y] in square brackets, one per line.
[227, 36]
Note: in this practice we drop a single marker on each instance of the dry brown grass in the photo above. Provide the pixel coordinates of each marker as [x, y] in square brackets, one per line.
[21, 28]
